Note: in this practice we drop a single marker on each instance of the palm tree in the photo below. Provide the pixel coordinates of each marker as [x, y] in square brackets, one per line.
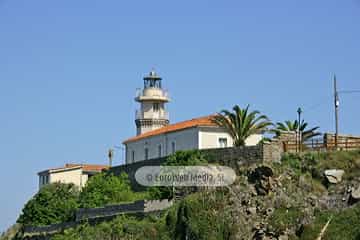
[293, 126]
[241, 123]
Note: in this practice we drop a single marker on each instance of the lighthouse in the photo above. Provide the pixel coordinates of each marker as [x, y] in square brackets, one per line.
[152, 98]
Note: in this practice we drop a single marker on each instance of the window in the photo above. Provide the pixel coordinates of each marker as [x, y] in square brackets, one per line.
[44, 179]
[146, 153]
[156, 107]
[133, 156]
[173, 147]
[159, 151]
[223, 142]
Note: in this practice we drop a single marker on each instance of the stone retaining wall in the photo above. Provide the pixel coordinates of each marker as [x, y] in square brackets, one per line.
[94, 215]
[233, 157]
[142, 206]
[111, 210]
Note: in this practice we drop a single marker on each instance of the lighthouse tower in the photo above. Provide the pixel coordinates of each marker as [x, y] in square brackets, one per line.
[152, 98]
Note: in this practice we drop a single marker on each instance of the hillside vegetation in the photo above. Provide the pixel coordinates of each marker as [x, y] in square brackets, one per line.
[287, 200]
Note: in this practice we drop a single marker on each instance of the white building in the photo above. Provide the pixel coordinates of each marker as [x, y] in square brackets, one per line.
[156, 138]
[77, 174]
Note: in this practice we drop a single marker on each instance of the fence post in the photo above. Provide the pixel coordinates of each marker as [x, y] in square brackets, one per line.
[346, 144]
[312, 143]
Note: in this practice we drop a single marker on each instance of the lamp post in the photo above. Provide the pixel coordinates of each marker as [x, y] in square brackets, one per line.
[299, 111]
[110, 156]
[336, 104]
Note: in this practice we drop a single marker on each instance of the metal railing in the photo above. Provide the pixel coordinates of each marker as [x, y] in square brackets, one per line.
[162, 93]
[151, 115]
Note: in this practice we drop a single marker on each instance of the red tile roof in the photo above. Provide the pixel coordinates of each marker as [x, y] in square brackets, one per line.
[196, 122]
[88, 167]
[70, 166]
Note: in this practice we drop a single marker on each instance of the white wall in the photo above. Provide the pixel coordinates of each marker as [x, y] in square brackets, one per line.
[209, 137]
[187, 139]
[74, 176]
[253, 140]
[184, 140]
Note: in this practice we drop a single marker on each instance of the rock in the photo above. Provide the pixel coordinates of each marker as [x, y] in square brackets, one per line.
[261, 178]
[253, 191]
[251, 210]
[269, 211]
[263, 186]
[283, 237]
[313, 200]
[260, 173]
[355, 193]
[334, 175]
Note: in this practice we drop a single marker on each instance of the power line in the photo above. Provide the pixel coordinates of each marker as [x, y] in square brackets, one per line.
[326, 100]
[323, 101]
[349, 91]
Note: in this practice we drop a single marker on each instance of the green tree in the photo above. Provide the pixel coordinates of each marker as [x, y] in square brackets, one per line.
[186, 158]
[54, 203]
[293, 126]
[179, 158]
[241, 123]
[103, 189]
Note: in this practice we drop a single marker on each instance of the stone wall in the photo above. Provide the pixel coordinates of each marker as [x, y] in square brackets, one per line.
[111, 210]
[272, 151]
[157, 205]
[94, 215]
[49, 229]
[130, 170]
[142, 206]
[233, 157]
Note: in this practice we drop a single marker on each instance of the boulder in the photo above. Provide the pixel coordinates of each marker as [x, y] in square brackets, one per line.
[261, 177]
[334, 175]
[355, 193]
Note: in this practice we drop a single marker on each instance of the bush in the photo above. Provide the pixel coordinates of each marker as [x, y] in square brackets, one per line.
[121, 228]
[200, 216]
[186, 158]
[54, 203]
[180, 158]
[103, 189]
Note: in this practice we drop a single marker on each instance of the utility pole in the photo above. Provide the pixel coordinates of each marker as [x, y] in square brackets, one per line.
[336, 105]
[299, 111]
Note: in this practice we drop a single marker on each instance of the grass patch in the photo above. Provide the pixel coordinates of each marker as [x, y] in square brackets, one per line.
[344, 225]
[316, 163]
[285, 218]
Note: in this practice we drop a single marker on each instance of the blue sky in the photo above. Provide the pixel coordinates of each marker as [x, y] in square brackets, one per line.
[69, 70]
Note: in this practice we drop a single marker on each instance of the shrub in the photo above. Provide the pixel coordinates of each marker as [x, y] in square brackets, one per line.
[180, 158]
[54, 203]
[121, 228]
[200, 216]
[104, 189]
[186, 158]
